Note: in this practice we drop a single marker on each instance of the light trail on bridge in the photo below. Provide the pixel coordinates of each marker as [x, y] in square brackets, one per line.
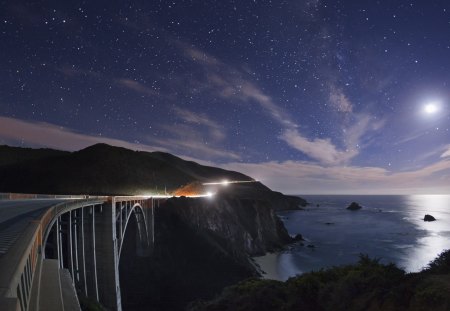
[228, 182]
[58, 240]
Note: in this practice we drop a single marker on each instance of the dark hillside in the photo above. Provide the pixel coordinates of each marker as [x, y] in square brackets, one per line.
[103, 169]
[11, 155]
[367, 285]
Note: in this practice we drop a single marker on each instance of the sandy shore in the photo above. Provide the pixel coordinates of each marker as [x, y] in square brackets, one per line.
[269, 265]
[277, 266]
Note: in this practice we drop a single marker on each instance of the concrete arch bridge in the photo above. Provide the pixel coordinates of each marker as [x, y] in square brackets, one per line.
[52, 248]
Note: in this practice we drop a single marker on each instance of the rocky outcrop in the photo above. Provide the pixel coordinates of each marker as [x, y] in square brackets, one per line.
[249, 226]
[428, 218]
[258, 191]
[354, 206]
[201, 246]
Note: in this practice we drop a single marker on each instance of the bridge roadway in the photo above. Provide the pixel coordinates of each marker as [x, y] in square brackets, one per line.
[54, 249]
[15, 216]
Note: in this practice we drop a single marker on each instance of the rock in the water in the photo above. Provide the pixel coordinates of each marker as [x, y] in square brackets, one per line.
[310, 246]
[429, 218]
[298, 237]
[354, 206]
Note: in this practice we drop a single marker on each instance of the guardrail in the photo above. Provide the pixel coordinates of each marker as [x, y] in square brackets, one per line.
[18, 265]
[25, 196]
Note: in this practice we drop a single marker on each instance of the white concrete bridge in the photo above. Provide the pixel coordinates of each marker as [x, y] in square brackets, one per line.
[55, 247]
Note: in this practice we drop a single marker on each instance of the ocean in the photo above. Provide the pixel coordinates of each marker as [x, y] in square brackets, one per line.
[390, 228]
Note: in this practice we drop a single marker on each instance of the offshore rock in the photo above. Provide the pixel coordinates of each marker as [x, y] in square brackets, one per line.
[428, 218]
[354, 206]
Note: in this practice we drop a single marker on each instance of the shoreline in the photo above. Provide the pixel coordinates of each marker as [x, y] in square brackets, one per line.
[277, 266]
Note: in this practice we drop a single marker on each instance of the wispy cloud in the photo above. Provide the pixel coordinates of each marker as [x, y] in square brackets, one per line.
[289, 176]
[229, 82]
[214, 129]
[130, 84]
[309, 178]
[320, 149]
[446, 153]
[137, 87]
[232, 83]
[195, 149]
[195, 135]
[41, 134]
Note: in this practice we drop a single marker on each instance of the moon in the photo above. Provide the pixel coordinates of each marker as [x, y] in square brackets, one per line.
[431, 108]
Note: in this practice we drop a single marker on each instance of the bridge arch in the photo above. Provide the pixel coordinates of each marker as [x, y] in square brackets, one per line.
[78, 241]
[124, 212]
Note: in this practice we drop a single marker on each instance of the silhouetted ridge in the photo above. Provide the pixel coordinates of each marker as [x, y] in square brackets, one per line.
[109, 170]
[11, 155]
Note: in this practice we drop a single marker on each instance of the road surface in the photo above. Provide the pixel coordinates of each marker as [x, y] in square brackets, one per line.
[15, 216]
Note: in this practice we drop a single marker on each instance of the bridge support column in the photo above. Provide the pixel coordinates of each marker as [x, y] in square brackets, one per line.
[88, 249]
[79, 261]
[107, 258]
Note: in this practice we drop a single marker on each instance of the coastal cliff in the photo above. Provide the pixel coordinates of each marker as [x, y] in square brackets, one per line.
[202, 245]
[249, 225]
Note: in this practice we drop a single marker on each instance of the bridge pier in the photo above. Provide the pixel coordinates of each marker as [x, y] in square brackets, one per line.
[88, 244]
[77, 246]
[107, 258]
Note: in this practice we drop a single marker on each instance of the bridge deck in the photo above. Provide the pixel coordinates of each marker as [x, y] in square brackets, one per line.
[15, 215]
[89, 230]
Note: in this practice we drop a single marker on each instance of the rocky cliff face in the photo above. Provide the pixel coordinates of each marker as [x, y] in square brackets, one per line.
[201, 246]
[249, 226]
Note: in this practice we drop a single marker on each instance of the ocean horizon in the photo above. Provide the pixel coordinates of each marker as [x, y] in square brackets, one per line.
[388, 227]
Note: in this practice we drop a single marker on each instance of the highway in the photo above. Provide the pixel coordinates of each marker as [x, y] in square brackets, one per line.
[16, 214]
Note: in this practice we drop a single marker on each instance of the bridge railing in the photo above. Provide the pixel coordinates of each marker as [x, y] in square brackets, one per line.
[18, 268]
[18, 265]
[27, 196]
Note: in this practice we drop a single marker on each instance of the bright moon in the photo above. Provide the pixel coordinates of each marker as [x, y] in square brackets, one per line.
[431, 108]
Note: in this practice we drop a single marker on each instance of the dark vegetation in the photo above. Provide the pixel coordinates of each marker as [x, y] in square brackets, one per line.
[367, 285]
[106, 170]
[11, 155]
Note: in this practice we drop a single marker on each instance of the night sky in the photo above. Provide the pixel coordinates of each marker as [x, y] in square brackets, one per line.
[307, 96]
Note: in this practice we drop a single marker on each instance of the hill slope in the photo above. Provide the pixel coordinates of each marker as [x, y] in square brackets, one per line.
[11, 155]
[100, 169]
[107, 170]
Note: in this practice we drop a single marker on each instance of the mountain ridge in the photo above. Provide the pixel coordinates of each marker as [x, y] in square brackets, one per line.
[102, 169]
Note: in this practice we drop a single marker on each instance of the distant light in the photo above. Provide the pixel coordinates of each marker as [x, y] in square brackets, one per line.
[431, 108]
[209, 194]
[227, 182]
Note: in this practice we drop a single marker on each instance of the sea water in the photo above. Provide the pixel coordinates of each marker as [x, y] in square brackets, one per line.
[390, 228]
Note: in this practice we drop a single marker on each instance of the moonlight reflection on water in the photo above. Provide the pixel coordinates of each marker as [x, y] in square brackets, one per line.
[435, 235]
[387, 227]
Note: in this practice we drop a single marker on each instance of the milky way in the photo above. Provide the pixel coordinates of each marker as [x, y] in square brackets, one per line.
[308, 96]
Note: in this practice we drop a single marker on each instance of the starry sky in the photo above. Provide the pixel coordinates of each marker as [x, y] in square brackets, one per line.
[308, 96]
